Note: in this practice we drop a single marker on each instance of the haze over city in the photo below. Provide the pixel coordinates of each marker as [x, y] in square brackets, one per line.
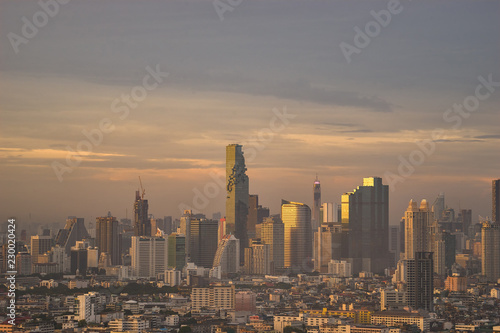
[225, 77]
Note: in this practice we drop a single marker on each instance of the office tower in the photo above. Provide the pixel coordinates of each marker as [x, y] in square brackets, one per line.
[252, 220]
[237, 196]
[227, 256]
[315, 220]
[142, 223]
[490, 250]
[73, 232]
[23, 264]
[444, 248]
[173, 277]
[272, 232]
[185, 229]
[466, 220]
[262, 213]
[168, 225]
[296, 218]
[327, 245]
[149, 256]
[418, 221]
[330, 212]
[176, 251]
[203, 241]
[495, 201]
[394, 244]
[419, 279]
[39, 245]
[108, 238]
[438, 206]
[365, 226]
[258, 258]
[79, 258]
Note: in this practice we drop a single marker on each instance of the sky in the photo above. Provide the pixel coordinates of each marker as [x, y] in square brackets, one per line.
[163, 86]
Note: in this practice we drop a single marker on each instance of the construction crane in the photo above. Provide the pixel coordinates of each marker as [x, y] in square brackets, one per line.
[143, 191]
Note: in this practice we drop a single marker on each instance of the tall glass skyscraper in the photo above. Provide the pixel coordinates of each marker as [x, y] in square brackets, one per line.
[365, 226]
[298, 240]
[237, 196]
[496, 201]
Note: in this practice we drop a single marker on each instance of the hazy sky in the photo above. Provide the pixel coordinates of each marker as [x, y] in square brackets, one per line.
[352, 119]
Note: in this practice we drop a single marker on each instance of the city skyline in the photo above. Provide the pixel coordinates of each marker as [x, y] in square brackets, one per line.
[346, 120]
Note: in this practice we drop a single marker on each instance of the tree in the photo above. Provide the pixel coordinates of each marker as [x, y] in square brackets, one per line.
[185, 329]
[82, 323]
[290, 329]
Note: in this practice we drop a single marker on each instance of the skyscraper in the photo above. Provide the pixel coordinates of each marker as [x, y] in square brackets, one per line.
[39, 245]
[237, 195]
[227, 256]
[203, 241]
[418, 221]
[272, 232]
[108, 238]
[490, 250]
[438, 206]
[419, 279]
[253, 215]
[74, 231]
[365, 226]
[258, 258]
[298, 240]
[495, 217]
[327, 245]
[315, 221]
[142, 223]
[149, 256]
[176, 251]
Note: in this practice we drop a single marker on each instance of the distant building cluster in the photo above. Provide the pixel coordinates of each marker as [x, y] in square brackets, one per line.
[216, 268]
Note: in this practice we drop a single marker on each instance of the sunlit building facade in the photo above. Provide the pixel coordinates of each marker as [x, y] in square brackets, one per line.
[298, 240]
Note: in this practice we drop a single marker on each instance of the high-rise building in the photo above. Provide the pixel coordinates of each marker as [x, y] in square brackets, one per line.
[296, 218]
[438, 206]
[142, 223]
[340, 268]
[258, 258]
[330, 212]
[73, 232]
[185, 229]
[79, 258]
[23, 263]
[490, 250]
[365, 226]
[327, 245]
[39, 245]
[227, 256]
[315, 219]
[246, 301]
[466, 219]
[272, 232]
[495, 200]
[237, 185]
[418, 221]
[394, 244]
[177, 251]
[203, 241]
[420, 281]
[108, 238]
[149, 256]
[252, 219]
